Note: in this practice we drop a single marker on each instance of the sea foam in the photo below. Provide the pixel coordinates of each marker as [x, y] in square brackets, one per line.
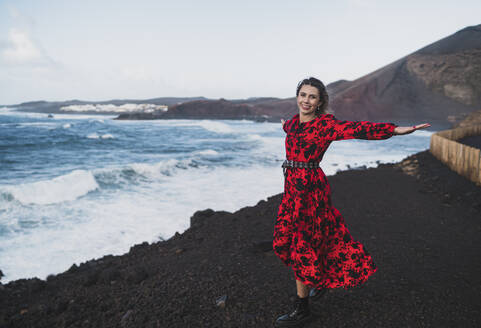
[63, 188]
[217, 127]
[208, 152]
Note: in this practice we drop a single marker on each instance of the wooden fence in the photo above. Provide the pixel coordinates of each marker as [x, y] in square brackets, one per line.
[463, 159]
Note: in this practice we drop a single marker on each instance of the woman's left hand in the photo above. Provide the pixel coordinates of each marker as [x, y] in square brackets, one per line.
[410, 129]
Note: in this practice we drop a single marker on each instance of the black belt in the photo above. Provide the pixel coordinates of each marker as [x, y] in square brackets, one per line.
[306, 165]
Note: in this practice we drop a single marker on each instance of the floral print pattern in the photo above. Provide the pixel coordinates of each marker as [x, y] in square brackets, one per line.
[310, 234]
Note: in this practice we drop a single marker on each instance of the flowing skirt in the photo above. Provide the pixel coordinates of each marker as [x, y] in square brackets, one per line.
[311, 237]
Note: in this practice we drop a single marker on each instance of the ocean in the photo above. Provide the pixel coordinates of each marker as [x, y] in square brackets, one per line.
[77, 187]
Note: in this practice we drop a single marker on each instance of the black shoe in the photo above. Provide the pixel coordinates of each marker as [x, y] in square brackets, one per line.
[316, 294]
[299, 315]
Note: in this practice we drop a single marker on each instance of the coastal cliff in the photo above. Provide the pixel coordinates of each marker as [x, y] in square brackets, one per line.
[261, 109]
[203, 109]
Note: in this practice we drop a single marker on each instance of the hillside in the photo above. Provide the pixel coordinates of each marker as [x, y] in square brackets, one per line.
[472, 119]
[55, 106]
[441, 81]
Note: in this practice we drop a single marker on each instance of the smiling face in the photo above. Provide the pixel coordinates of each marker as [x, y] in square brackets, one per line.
[307, 100]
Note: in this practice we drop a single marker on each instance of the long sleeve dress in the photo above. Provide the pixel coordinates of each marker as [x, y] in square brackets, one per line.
[310, 234]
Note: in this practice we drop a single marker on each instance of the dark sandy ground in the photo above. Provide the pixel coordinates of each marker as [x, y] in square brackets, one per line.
[420, 221]
[474, 141]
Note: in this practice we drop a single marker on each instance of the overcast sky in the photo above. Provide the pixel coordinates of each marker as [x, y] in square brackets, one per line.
[100, 50]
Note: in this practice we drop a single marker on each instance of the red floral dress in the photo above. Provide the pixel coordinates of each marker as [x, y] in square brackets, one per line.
[310, 234]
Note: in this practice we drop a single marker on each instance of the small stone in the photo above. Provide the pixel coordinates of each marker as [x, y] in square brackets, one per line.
[73, 268]
[220, 302]
[137, 275]
[125, 318]
[179, 250]
[36, 285]
[139, 247]
[199, 217]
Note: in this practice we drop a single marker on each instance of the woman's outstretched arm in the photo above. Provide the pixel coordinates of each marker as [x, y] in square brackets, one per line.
[410, 129]
[335, 129]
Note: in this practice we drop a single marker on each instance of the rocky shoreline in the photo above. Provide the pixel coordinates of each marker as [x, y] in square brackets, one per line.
[423, 231]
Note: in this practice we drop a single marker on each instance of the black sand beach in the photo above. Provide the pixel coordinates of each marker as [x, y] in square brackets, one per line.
[420, 221]
[473, 141]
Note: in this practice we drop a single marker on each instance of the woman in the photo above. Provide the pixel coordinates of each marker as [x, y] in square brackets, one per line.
[310, 235]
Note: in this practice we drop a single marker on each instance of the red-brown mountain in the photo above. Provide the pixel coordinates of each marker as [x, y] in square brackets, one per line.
[441, 81]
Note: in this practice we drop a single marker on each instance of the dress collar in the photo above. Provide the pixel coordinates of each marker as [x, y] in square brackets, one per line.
[298, 121]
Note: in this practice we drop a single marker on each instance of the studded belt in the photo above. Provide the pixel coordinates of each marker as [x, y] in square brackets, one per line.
[306, 165]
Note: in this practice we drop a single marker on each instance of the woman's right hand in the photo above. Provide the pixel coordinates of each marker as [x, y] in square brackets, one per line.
[410, 129]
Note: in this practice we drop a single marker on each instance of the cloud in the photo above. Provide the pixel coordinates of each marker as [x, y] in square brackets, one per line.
[20, 18]
[21, 49]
